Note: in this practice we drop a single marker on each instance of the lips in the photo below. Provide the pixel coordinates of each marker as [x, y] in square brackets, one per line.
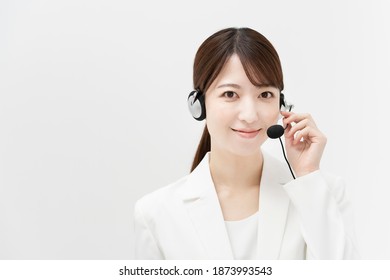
[246, 133]
[246, 130]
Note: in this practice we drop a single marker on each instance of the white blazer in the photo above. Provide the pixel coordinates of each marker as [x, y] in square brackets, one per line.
[306, 218]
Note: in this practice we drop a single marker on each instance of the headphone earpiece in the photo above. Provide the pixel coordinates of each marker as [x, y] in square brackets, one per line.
[196, 105]
[284, 105]
[281, 101]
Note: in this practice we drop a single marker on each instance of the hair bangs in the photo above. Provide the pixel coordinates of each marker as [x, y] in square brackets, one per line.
[260, 67]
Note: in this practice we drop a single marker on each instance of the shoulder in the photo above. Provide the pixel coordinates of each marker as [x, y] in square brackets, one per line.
[169, 199]
[160, 197]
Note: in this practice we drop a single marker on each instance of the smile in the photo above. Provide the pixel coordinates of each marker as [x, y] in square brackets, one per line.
[247, 134]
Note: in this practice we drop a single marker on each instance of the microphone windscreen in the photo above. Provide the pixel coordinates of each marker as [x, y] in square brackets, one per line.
[275, 131]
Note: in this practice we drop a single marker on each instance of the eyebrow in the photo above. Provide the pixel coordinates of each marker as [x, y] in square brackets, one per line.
[238, 86]
[229, 85]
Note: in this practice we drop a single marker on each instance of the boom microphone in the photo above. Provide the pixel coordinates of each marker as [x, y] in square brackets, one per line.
[275, 131]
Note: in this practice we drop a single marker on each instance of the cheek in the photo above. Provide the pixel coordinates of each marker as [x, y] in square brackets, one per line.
[276, 116]
[218, 118]
[270, 116]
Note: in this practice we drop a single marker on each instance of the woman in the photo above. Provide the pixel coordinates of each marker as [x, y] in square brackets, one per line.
[239, 202]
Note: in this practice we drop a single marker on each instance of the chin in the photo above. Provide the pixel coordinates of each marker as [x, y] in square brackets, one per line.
[245, 151]
[237, 147]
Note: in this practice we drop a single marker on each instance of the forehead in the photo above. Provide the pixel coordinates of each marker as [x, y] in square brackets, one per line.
[233, 73]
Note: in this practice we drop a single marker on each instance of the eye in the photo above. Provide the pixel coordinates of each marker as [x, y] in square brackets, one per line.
[229, 94]
[266, 94]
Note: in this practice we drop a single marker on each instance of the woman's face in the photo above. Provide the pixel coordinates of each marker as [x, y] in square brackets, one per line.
[238, 112]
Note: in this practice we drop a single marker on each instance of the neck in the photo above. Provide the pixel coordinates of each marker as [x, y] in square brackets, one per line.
[234, 171]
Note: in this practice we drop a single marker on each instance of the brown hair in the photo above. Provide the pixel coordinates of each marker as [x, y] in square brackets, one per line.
[258, 57]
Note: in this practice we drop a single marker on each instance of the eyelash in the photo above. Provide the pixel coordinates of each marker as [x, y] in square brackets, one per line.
[271, 94]
[224, 94]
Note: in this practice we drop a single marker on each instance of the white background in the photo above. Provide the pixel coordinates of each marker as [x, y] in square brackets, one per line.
[93, 111]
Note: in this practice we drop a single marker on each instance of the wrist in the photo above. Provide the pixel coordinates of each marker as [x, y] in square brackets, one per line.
[304, 172]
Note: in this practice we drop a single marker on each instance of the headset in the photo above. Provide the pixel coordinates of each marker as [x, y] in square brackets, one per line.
[197, 106]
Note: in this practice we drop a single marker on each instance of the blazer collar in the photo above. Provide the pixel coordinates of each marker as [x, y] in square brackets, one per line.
[273, 208]
[201, 201]
[202, 204]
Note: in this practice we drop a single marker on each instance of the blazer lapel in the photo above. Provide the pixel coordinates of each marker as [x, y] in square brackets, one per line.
[202, 204]
[273, 208]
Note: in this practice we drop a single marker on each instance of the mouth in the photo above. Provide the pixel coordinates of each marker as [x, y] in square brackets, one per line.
[246, 133]
[246, 130]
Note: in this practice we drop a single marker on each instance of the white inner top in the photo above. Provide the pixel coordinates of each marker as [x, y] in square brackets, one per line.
[243, 237]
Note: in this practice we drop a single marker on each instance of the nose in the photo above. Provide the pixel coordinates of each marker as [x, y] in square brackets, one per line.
[248, 111]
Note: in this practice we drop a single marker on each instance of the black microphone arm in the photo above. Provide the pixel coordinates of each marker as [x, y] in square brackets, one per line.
[284, 154]
[277, 131]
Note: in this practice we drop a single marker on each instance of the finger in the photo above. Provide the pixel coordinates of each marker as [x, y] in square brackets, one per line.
[287, 132]
[310, 135]
[289, 139]
[303, 134]
[285, 118]
[286, 113]
[298, 126]
[299, 117]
